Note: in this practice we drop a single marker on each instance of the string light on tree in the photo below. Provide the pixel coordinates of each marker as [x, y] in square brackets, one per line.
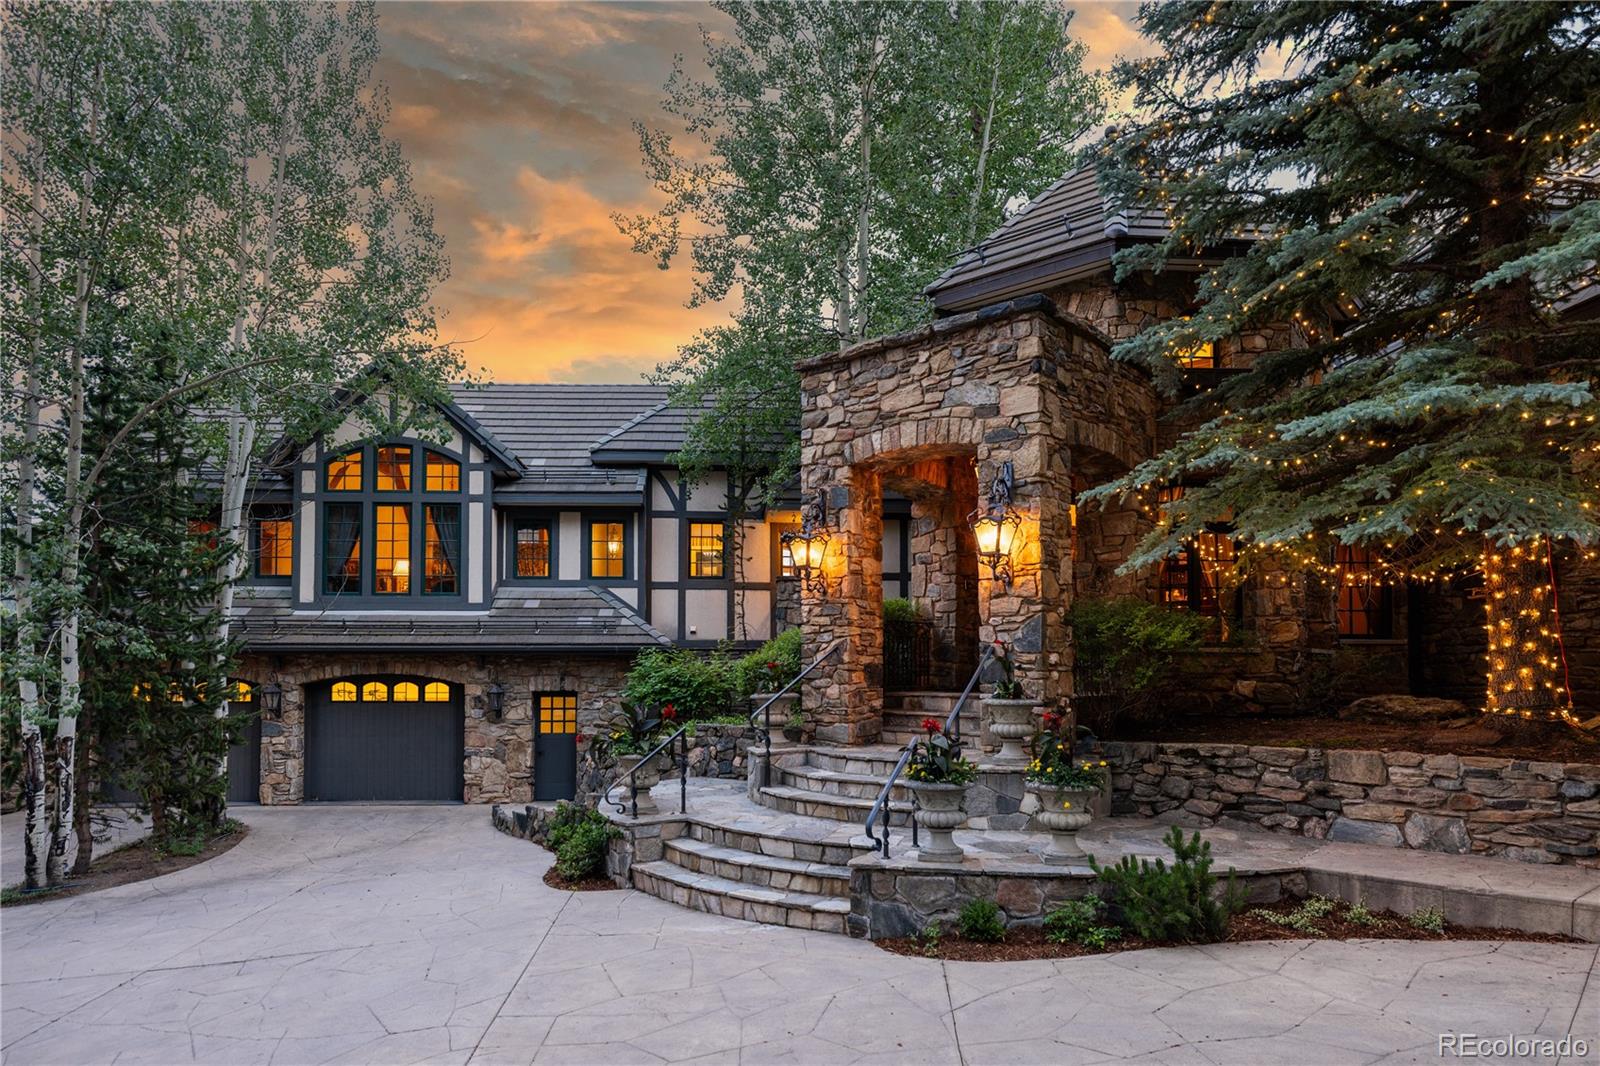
[1526, 664]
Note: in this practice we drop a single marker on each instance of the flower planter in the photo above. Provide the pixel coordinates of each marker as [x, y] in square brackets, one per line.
[782, 707]
[939, 810]
[646, 779]
[1063, 812]
[1011, 721]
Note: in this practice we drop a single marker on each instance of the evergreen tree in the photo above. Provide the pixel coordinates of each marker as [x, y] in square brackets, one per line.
[1420, 180]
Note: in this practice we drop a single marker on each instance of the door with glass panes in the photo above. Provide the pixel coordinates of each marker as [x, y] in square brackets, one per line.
[555, 746]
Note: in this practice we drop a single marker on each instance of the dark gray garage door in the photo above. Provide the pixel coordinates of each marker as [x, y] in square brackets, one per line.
[383, 738]
[244, 761]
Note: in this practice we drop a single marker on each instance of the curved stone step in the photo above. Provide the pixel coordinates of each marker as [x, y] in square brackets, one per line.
[876, 761]
[780, 841]
[731, 899]
[766, 871]
[823, 805]
[838, 783]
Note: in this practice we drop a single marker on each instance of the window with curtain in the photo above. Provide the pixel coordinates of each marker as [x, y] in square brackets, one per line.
[606, 550]
[341, 548]
[1364, 607]
[705, 549]
[442, 549]
[533, 550]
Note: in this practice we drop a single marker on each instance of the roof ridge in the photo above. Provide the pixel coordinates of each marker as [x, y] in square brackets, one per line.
[630, 423]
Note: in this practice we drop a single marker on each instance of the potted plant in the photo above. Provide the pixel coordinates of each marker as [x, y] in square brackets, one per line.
[794, 728]
[1008, 713]
[628, 736]
[1064, 784]
[938, 777]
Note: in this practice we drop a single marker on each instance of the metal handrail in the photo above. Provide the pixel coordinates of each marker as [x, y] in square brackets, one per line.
[952, 726]
[632, 806]
[764, 712]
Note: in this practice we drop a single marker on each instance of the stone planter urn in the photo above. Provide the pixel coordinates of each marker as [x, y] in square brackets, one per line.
[646, 779]
[1063, 821]
[939, 810]
[782, 707]
[1011, 721]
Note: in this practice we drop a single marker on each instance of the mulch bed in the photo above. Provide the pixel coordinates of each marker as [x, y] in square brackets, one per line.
[1474, 738]
[587, 884]
[136, 862]
[1028, 942]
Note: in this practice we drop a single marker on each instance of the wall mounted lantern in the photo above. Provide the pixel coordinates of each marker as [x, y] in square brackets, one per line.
[494, 700]
[807, 547]
[272, 700]
[995, 526]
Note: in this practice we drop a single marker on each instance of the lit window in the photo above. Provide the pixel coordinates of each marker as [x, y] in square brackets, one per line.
[436, 692]
[344, 473]
[605, 549]
[1202, 356]
[344, 692]
[375, 692]
[558, 714]
[341, 548]
[533, 551]
[705, 549]
[394, 469]
[442, 475]
[1195, 577]
[274, 547]
[391, 550]
[406, 692]
[441, 548]
[242, 692]
[1365, 604]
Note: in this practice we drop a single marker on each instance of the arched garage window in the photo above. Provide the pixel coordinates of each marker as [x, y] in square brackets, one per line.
[391, 522]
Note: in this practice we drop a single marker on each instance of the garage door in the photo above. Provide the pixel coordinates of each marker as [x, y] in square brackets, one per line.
[384, 738]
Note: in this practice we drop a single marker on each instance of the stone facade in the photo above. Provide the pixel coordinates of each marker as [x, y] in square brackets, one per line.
[721, 750]
[1530, 811]
[497, 756]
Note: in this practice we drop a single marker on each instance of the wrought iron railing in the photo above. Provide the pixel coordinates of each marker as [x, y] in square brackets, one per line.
[952, 726]
[631, 807]
[764, 712]
[907, 654]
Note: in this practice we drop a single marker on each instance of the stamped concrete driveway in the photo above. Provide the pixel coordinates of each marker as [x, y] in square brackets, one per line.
[361, 934]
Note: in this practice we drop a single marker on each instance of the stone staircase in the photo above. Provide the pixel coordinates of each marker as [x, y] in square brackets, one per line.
[840, 784]
[903, 713]
[778, 875]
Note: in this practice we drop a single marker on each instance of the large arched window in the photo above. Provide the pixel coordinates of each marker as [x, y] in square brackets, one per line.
[391, 522]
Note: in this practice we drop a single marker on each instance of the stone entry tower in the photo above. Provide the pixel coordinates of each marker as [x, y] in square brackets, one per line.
[933, 413]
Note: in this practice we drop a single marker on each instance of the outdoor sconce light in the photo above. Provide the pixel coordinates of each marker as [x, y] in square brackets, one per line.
[494, 700]
[272, 700]
[807, 547]
[995, 527]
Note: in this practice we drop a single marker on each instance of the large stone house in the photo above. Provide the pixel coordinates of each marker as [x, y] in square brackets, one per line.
[441, 619]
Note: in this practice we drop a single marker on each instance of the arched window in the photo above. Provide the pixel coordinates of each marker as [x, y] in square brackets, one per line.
[375, 692]
[406, 692]
[344, 692]
[436, 692]
[405, 537]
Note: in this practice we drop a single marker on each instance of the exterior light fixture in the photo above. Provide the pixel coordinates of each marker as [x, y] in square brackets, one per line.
[995, 527]
[809, 545]
[494, 700]
[272, 700]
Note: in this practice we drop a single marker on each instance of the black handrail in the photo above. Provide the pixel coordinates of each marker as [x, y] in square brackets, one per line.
[764, 712]
[952, 726]
[632, 806]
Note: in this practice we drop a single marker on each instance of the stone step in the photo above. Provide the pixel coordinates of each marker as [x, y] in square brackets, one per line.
[878, 761]
[731, 899]
[837, 783]
[918, 702]
[911, 722]
[765, 871]
[822, 805]
[775, 842]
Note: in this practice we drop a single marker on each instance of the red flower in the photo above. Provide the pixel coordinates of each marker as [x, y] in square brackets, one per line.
[931, 725]
[772, 664]
[577, 738]
[1051, 719]
[668, 713]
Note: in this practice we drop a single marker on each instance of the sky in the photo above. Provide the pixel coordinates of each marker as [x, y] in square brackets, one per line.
[517, 119]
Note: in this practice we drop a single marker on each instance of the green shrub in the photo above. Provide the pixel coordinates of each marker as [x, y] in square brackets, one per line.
[770, 666]
[930, 938]
[1429, 919]
[980, 920]
[580, 837]
[1177, 902]
[1124, 650]
[1304, 918]
[1080, 921]
[696, 686]
[900, 609]
[1357, 912]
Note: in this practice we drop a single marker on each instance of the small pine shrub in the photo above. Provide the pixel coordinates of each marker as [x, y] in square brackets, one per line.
[980, 920]
[1178, 903]
[1429, 919]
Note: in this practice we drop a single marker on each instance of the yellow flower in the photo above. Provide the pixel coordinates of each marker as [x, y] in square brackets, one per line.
[1102, 762]
[1066, 805]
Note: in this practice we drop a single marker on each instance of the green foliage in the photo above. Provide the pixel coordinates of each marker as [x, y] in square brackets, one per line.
[633, 730]
[771, 666]
[982, 921]
[1424, 195]
[580, 837]
[1128, 646]
[1429, 919]
[931, 937]
[1082, 922]
[1304, 918]
[900, 609]
[1057, 759]
[1358, 913]
[841, 156]
[1172, 903]
[938, 759]
[696, 686]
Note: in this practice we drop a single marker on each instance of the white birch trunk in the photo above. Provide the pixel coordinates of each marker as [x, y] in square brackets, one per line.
[976, 201]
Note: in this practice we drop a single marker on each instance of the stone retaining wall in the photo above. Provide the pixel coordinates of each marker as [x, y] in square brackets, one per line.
[1530, 811]
[721, 750]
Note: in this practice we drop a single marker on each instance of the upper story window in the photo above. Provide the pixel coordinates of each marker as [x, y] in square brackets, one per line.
[706, 548]
[403, 538]
[532, 557]
[274, 547]
[607, 550]
[1364, 608]
[1202, 356]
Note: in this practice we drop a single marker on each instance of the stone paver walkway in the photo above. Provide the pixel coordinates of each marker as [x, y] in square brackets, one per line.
[357, 934]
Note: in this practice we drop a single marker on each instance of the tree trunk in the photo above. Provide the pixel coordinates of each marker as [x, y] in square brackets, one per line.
[973, 205]
[82, 807]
